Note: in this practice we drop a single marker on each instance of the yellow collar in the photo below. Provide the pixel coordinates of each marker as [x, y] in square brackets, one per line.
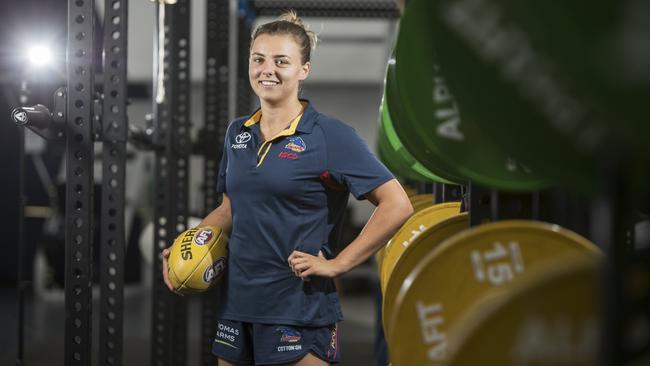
[255, 118]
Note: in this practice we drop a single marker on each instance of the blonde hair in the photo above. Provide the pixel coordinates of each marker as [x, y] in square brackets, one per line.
[289, 23]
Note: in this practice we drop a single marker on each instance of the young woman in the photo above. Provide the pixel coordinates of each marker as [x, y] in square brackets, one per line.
[285, 176]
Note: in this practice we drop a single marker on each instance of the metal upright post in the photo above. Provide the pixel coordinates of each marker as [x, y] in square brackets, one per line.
[171, 110]
[216, 122]
[114, 136]
[79, 187]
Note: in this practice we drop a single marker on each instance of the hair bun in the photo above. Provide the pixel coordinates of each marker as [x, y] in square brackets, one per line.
[292, 17]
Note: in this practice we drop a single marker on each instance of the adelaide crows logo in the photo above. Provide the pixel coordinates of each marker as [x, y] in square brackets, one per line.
[288, 334]
[296, 144]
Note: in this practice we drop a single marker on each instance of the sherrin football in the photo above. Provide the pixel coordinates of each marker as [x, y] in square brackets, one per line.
[197, 259]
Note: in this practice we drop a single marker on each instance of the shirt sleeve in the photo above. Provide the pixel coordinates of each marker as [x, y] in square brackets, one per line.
[351, 163]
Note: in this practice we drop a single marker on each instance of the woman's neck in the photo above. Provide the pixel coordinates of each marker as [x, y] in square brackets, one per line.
[276, 117]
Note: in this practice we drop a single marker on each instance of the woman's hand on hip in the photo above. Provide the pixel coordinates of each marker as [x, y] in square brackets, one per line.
[305, 265]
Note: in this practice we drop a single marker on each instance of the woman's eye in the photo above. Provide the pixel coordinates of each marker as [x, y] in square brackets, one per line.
[281, 62]
[258, 60]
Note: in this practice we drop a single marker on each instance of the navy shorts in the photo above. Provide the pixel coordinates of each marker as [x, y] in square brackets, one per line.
[270, 344]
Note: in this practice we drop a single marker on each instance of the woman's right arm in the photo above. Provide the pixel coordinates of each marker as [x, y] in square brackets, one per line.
[220, 217]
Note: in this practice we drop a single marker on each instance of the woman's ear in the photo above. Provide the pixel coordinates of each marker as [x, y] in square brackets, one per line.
[304, 71]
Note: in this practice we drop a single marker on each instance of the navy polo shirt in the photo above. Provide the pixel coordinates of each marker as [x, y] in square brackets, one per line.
[289, 193]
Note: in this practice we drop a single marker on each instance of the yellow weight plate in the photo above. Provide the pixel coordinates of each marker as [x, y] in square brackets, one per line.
[421, 205]
[420, 199]
[463, 270]
[413, 254]
[419, 202]
[411, 229]
[410, 191]
[548, 318]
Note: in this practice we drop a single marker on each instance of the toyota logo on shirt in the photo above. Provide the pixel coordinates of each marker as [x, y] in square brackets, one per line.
[243, 137]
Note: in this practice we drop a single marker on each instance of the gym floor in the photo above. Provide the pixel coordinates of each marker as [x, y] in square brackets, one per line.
[44, 326]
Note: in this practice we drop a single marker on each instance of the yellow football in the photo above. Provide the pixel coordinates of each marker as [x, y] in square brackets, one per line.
[198, 259]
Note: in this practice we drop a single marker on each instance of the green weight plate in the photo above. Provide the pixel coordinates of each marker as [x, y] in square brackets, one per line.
[549, 318]
[496, 70]
[401, 151]
[596, 49]
[438, 130]
[392, 161]
[395, 107]
[462, 271]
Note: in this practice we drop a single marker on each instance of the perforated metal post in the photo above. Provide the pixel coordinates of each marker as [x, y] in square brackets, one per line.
[114, 135]
[216, 122]
[244, 92]
[331, 8]
[169, 318]
[79, 187]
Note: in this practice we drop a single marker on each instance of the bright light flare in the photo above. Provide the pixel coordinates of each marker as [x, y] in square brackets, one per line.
[39, 56]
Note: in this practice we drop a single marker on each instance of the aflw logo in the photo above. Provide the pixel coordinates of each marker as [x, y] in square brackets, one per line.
[203, 237]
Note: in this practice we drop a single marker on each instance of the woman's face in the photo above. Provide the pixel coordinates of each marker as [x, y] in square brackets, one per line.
[275, 68]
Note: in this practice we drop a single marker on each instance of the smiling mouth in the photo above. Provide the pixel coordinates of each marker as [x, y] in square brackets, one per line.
[268, 83]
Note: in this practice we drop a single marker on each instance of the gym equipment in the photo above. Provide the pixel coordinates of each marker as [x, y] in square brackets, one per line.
[197, 259]
[419, 202]
[550, 317]
[402, 156]
[413, 254]
[439, 129]
[415, 226]
[398, 115]
[462, 271]
[556, 97]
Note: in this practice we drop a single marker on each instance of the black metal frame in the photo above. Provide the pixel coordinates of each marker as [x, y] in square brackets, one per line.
[486, 205]
[114, 129]
[212, 139]
[169, 313]
[333, 8]
[79, 188]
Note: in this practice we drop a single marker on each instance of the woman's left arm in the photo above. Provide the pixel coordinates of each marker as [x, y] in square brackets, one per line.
[393, 209]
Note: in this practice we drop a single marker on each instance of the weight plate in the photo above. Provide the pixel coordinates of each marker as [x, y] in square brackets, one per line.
[603, 59]
[398, 116]
[394, 106]
[437, 129]
[392, 161]
[548, 318]
[411, 229]
[496, 69]
[463, 270]
[413, 254]
[419, 202]
[401, 151]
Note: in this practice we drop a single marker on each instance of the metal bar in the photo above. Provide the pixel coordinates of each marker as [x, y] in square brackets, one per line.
[79, 187]
[113, 238]
[216, 122]
[22, 284]
[179, 97]
[480, 207]
[332, 8]
[233, 57]
[161, 314]
[171, 110]
[244, 93]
